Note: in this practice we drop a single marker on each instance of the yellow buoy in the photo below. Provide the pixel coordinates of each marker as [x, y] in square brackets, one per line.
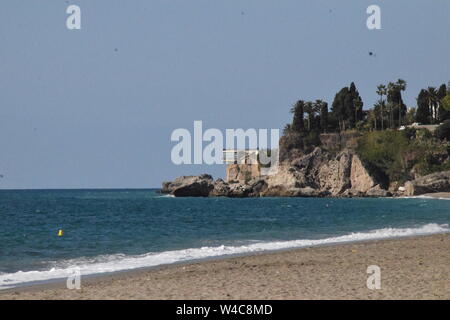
[60, 232]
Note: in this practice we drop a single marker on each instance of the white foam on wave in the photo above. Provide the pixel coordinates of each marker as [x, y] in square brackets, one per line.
[424, 197]
[120, 262]
[165, 196]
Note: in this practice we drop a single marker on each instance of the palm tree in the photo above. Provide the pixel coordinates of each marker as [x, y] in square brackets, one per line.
[390, 89]
[309, 109]
[400, 86]
[323, 111]
[381, 92]
[373, 116]
[432, 101]
[357, 105]
[320, 107]
[378, 111]
[297, 110]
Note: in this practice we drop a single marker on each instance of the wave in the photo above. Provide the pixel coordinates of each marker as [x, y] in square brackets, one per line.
[121, 262]
[424, 197]
[165, 196]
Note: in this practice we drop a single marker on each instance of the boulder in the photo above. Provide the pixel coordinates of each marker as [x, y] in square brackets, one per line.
[238, 190]
[352, 193]
[189, 186]
[258, 187]
[281, 191]
[435, 182]
[221, 189]
[276, 191]
[286, 178]
[308, 192]
[377, 192]
[166, 187]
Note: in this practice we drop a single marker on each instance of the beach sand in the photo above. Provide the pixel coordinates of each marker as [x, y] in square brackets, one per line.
[411, 268]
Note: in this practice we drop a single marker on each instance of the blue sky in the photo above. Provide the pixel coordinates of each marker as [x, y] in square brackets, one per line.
[95, 108]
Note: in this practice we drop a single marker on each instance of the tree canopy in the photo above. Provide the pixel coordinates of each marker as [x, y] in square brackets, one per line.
[347, 107]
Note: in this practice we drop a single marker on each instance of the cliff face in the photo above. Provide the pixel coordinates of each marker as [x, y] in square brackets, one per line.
[360, 179]
[435, 182]
[326, 174]
[317, 174]
[334, 175]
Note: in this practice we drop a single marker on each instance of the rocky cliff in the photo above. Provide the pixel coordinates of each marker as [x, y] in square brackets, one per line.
[320, 173]
[189, 186]
[435, 182]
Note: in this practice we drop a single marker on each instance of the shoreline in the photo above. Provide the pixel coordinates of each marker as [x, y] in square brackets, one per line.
[173, 281]
[435, 195]
[261, 248]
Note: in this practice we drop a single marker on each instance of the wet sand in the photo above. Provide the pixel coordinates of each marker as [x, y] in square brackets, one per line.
[411, 268]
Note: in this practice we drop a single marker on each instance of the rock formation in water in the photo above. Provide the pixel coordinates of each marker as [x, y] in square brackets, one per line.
[320, 173]
[189, 186]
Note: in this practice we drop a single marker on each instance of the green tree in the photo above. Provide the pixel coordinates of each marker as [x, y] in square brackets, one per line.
[446, 100]
[310, 110]
[443, 131]
[358, 106]
[324, 116]
[397, 109]
[347, 107]
[378, 110]
[381, 91]
[382, 151]
[390, 104]
[372, 119]
[338, 108]
[401, 86]
[444, 114]
[298, 121]
[432, 104]
[423, 110]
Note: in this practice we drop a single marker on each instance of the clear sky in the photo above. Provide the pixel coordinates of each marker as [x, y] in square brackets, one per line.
[95, 108]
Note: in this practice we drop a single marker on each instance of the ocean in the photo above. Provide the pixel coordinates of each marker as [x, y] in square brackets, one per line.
[116, 230]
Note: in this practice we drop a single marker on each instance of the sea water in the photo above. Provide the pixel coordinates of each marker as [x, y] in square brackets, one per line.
[116, 230]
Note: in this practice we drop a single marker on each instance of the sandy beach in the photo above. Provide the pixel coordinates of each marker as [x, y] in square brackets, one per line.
[411, 268]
